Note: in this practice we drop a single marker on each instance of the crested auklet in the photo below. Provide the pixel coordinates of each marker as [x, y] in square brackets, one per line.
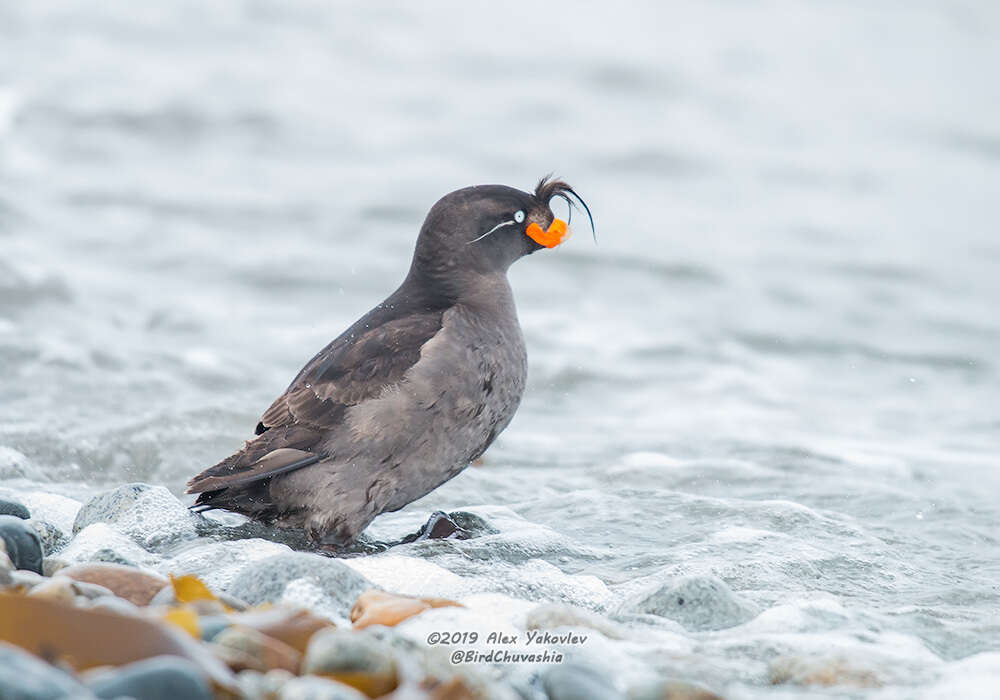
[411, 393]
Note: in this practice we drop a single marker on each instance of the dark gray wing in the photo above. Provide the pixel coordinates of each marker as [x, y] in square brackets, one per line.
[357, 366]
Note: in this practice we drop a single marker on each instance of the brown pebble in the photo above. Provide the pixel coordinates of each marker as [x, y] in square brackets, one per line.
[84, 638]
[237, 661]
[270, 652]
[293, 626]
[135, 586]
[376, 607]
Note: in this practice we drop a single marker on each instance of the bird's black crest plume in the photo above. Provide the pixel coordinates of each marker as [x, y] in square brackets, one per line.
[547, 188]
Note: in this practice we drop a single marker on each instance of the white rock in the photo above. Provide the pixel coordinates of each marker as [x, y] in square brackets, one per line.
[102, 542]
[150, 515]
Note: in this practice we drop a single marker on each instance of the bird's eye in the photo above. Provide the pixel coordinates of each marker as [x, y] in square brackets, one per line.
[519, 216]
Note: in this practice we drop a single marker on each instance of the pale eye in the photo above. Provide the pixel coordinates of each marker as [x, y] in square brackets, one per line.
[519, 216]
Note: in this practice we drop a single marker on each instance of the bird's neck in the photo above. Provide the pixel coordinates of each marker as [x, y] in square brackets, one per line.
[484, 292]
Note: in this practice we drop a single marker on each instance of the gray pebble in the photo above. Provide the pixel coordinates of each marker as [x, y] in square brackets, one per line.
[106, 506]
[150, 515]
[21, 543]
[116, 604]
[265, 580]
[347, 651]
[159, 678]
[262, 686]
[14, 508]
[52, 538]
[474, 525]
[699, 603]
[573, 681]
[26, 677]
[51, 566]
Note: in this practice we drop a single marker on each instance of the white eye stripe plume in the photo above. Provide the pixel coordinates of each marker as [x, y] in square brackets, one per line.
[500, 225]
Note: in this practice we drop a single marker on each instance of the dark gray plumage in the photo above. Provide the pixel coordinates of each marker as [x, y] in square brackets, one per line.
[411, 393]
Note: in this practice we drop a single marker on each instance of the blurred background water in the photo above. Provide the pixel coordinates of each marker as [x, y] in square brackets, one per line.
[779, 366]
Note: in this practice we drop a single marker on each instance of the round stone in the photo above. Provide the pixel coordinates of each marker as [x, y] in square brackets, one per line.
[354, 658]
[21, 543]
[159, 678]
[13, 508]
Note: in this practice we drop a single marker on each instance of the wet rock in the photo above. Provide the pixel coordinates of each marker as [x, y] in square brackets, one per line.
[211, 625]
[573, 681]
[27, 677]
[59, 590]
[51, 507]
[159, 678]
[474, 525]
[334, 584]
[218, 563]
[20, 543]
[293, 626]
[382, 608]
[52, 538]
[314, 688]
[86, 638]
[355, 658]
[101, 542]
[821, 671]
[236, 660]
[255, 685]
[553, 615]
[114, 604]
[135, 586]
[150, 515]
[51, 566]
[271, 653]
[457, 525]
[671, 690]
[698, 603]
[13, 508]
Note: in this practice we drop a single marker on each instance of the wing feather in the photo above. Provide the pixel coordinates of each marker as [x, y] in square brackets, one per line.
[360, 364]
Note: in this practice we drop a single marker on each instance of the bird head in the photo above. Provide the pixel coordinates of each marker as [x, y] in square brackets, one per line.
[482, 230]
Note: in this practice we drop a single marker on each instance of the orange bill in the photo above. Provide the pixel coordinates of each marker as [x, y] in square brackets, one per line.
[558, 233]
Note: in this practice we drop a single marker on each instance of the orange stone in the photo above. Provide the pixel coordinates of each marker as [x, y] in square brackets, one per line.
[270, 652]
[135, 586]
[85, 638]
[376, 607]
[293, 626]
